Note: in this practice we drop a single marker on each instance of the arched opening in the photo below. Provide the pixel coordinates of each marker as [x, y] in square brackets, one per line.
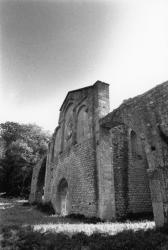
[62, 193]
[83, 130]
[138, 182]
[41, 181]
[68, 126]
[134, 145]
[57, 146]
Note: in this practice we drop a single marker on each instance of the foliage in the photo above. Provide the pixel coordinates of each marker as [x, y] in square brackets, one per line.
[46, 208]
[17, 237]
[84, 219]
[25, 145]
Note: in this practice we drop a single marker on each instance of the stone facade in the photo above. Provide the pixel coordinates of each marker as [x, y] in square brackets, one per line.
[105, 164]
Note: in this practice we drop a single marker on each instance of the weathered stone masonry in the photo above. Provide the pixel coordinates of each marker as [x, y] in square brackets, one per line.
[108, 164]
[72, 157]
[147, 116]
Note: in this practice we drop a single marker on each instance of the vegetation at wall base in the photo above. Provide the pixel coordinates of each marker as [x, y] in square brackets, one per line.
[45, 207]
[17, 237]
[84, 219]
[137, 217]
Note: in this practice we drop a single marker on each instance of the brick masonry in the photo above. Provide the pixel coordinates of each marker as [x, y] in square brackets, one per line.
[109, 164]
[147, 116]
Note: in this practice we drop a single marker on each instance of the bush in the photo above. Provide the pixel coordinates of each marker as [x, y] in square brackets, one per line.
[82, 218]
[25, 238]
[140, 216]
[46, 208]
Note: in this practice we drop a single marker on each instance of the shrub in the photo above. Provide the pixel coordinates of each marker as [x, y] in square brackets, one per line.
[139, 216]
[46, 208]
[82, 218]
[25, 238]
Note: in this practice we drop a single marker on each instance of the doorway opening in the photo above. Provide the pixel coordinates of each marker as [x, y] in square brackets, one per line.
[63, 197]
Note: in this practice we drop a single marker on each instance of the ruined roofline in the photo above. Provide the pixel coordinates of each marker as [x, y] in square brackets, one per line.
[131, 101]
[84, 88]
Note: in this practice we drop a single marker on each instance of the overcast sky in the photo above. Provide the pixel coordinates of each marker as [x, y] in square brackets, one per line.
[48, 48]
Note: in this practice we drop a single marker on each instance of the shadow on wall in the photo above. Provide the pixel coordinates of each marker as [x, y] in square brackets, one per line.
[62, 198]
[41, 181]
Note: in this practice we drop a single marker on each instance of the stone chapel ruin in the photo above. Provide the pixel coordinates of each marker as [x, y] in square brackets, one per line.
[106, 164]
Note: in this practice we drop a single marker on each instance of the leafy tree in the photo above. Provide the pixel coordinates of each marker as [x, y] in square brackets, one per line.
[25, 145]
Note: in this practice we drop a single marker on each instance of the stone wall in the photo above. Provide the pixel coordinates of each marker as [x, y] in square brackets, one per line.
[77, 167]
[109, 164]
[105, 176]
[120, 150]
[139, 197]
[72, 157]
[147, 116]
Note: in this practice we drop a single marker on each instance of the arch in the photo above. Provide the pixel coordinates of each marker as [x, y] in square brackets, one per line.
[134, 144]
[83, 129]
[68, 125]
[57, 146]
[51, 150]
[138, 183]
[62, 197]
[41, 181]
[69, 104]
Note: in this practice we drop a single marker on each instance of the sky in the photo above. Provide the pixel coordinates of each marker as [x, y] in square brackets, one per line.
[48, 48]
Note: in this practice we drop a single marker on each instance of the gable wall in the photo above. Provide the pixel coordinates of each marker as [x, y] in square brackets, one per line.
[72, 153]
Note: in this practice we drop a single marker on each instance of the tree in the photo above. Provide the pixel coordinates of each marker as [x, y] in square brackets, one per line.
[25, 145]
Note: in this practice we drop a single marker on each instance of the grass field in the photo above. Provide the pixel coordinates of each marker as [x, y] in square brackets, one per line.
[18, 212]
[108, 228]
[25, 227]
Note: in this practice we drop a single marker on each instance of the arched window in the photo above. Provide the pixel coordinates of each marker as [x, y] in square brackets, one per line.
[138, 184]
[57, 147]
[133, 144]
[83, 130]
[68, 126]
[136, 146]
